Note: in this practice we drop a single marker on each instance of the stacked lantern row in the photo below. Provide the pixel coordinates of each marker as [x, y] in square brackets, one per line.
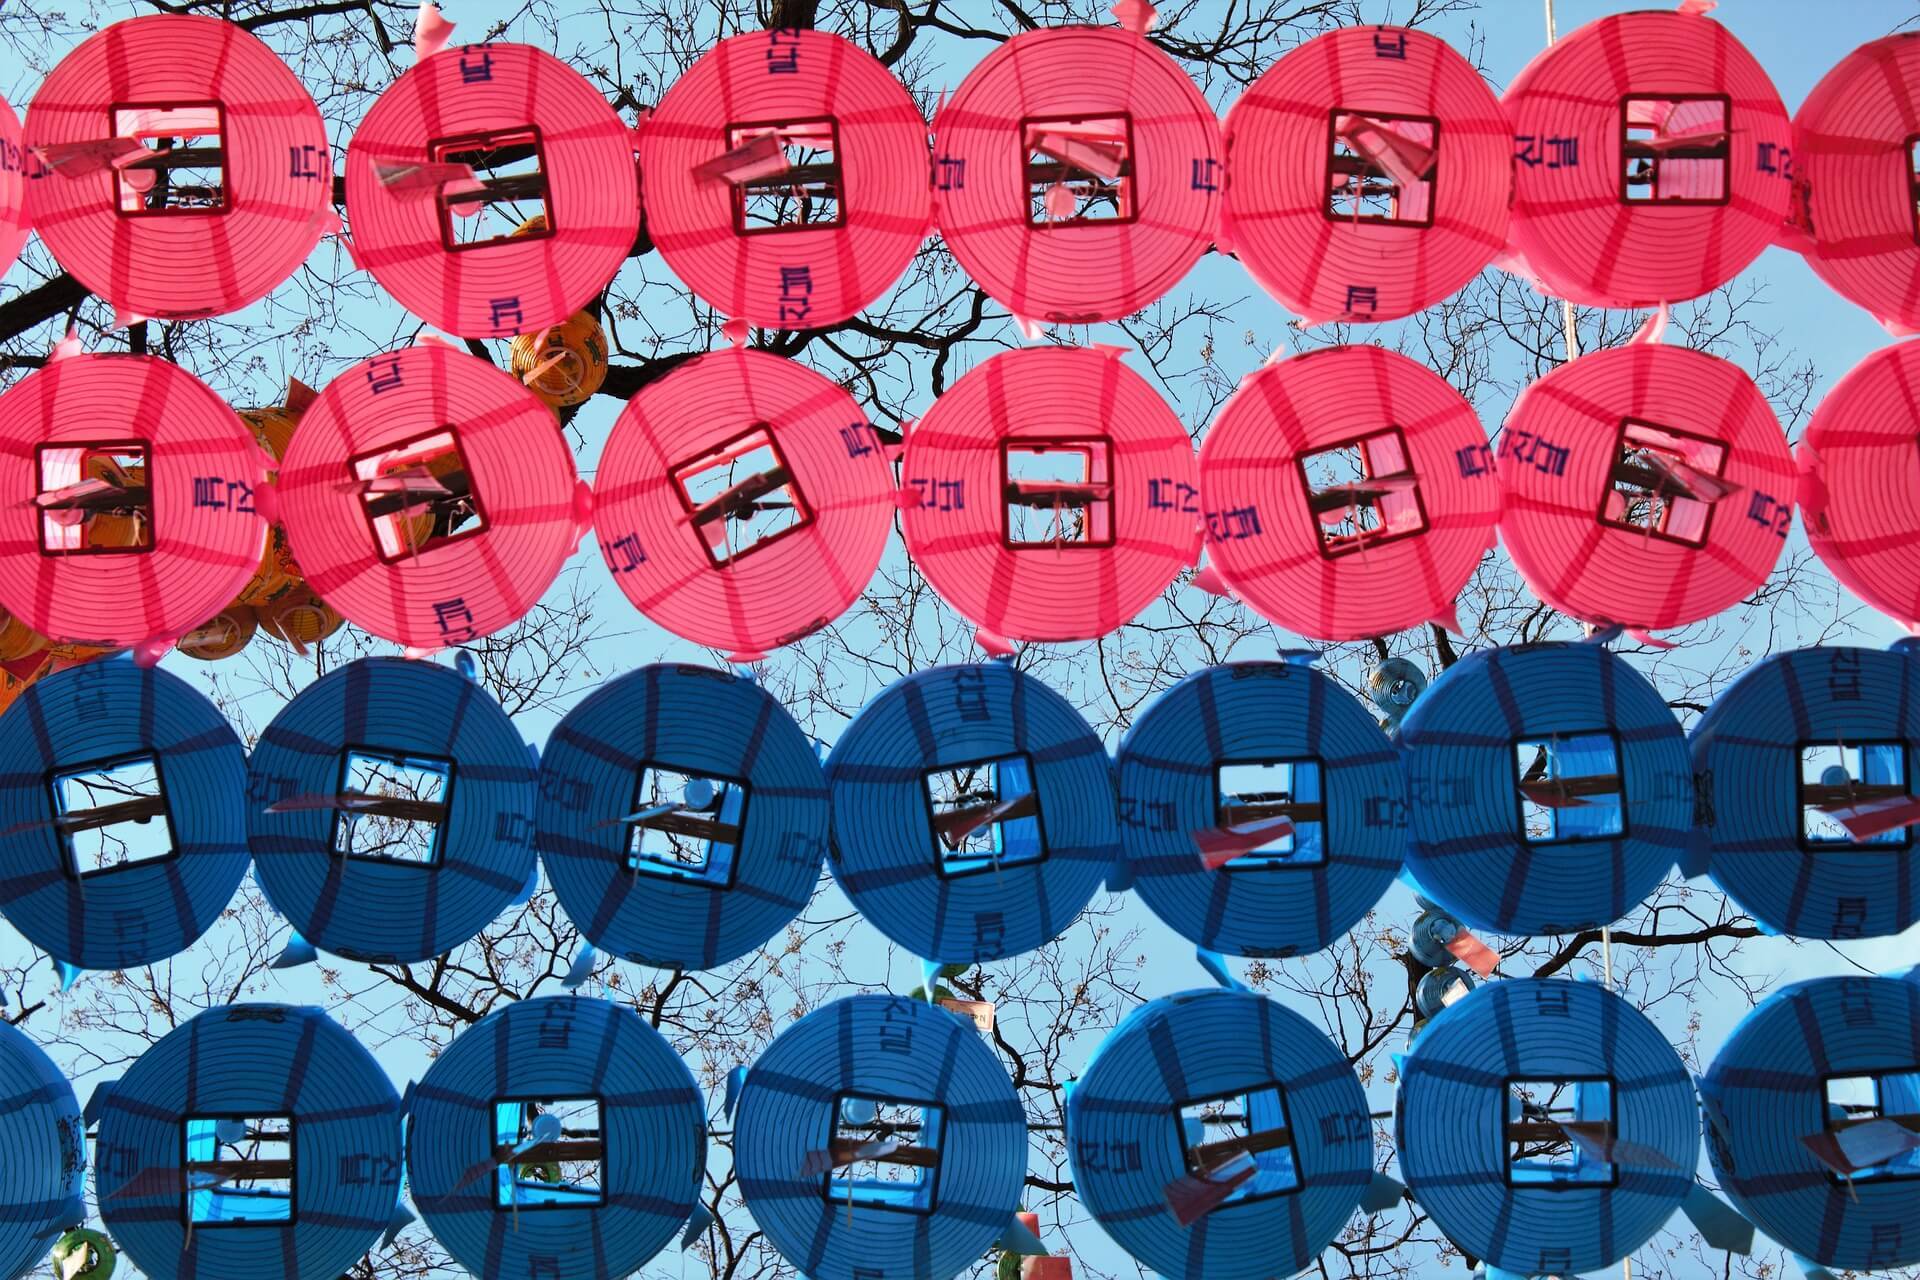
[391, 810]
[1051, 493]
[1544, 1125]
[1076, 174]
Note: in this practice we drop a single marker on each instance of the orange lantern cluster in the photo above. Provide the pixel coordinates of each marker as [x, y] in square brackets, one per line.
[276, 599]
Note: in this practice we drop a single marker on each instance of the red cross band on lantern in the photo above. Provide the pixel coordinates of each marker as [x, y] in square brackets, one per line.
[785, 178]
[126, 508]
[429, 498]
[742, 501]
[1050, 494]
[1650, 160]
[492, 190]
[1076, 174]
[190, 173]
[1853, 165]
[1645, 485]
[1369, 175]
[1349, 493]
[1860, 481]
[15, 165]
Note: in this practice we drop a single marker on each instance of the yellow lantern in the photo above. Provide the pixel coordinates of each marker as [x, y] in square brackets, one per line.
[300, 618]
[565, 363]
[221, 636]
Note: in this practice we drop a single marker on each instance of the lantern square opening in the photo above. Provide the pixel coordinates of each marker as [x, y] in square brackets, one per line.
[95, 498]
[685, 825]
[112, 814]
[741, 496]
[1219, 1133]
[1560, 1132]
[181, 164]
[785, 175]
[1382, 168]
[1664, 483]
[1568, 787]
[1839, 779]
[1889, 1101]
[984, 815]
[239, 1170]
[1080, 170]
[509, 188]
[1362, 493]
[550, 1154]
[417, 495]
[885, 1153]
[1058, 491]
[1674, 149]
[1249, 793]
[394, 807]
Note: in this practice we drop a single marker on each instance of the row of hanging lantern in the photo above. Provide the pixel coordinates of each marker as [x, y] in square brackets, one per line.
[1050, 494]
[392, 810]
[1544, 1125]
[1076, 173]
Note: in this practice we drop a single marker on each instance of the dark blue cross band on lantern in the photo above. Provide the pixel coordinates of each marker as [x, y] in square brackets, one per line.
[122, 828]
[973, 812]
[1813, 1120]
[252, 1140]
[1217, 1135]
[1806, 767]
[559, 1137]
[682, 816]
[1262, 810]
[880, 1136]
[390, 810]
[1549, 788]
[1546, 1125]
[43, 1153]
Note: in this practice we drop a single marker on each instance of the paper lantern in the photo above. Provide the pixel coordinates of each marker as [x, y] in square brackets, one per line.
[785, 178]
[429, 433]
[1076, 174]
[1348, 493]
[221, 636]
[438, 178]
[564, 364]
[1853, 169]
[123, 815]
[1807, 766]
[1201, 1079]
[1859, 488]
[282, 1093]
[1651, 160]
[1779, 1131]
[177, 545]
[682, 818]
[299, 617]
[1530, 1066]
[613, 1184]
[1261, 809]
[973, 813]
[1050, 494]
[395, 816]
[1549, 788]
[742, 501]
[44, 1143]
[16, 167]
[1646, 485]
[188, 170]
[1369, 175]
[817, 1093]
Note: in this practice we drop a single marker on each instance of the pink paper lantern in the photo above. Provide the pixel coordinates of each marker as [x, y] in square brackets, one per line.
[190, 173]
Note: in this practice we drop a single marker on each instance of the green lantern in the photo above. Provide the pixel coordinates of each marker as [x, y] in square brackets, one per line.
[84, 1255]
